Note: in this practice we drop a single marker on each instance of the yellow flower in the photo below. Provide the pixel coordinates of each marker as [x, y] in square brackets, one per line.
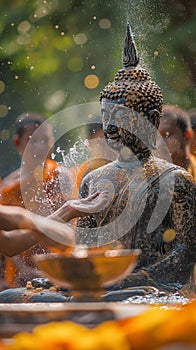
[112, 337]
[151, 330]
[71, 336]
[51, 336]
[181, 327]
[158, 327]
[143, 328]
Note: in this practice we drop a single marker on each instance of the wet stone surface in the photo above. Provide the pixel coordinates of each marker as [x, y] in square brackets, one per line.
[134, 295]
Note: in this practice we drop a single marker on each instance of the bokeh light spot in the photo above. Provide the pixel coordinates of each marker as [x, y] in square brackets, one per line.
[2, 86]
[55, 101]
[22, 39]
[91, 81]
[5, 134]
[3, 111]
[104, 23]
[24, 27]
[80, 39]
[169, 235]
[75, 64]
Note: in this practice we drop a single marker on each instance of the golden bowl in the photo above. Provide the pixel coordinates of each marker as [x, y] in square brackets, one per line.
[87, 271]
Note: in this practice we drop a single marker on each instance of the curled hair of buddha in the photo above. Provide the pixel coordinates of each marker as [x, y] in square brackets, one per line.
[133, 86]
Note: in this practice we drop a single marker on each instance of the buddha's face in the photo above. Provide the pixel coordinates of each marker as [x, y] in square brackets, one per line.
[117, 125]
[124, 127]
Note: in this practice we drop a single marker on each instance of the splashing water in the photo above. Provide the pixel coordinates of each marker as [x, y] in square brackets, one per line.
[165, 300]
[77, 154]
[146, 19]
[54, 193]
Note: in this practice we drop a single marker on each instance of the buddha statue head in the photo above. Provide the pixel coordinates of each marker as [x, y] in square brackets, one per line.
[131, 105]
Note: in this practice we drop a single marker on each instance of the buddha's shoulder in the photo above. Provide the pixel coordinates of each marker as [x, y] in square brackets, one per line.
[153, 169]
[172, 171]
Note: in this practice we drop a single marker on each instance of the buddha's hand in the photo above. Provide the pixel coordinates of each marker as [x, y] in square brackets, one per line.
[92, 204]
[82, 207]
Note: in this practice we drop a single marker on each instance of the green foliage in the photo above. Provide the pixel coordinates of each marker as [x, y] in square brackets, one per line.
[48, 47]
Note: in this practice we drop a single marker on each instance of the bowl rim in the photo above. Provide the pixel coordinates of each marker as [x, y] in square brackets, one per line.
[108, 253]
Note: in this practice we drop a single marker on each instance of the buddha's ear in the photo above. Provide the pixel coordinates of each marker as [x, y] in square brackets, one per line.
[154, 117]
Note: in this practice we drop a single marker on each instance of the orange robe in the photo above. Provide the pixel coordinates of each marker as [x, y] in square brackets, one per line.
[10, 190]
[86, 167]
[10, 194]
[192, 167]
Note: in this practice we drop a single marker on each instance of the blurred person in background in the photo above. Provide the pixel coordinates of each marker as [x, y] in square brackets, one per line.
[28, 180]
[192, 116]
[26, 177]
[175, 128]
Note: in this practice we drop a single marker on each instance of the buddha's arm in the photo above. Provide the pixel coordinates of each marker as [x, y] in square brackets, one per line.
[81, 207]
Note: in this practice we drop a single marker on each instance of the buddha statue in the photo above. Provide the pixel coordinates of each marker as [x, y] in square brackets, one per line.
[151, 203]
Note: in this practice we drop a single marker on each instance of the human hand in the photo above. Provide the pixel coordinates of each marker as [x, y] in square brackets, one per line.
[92, 204]
[82, 207]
